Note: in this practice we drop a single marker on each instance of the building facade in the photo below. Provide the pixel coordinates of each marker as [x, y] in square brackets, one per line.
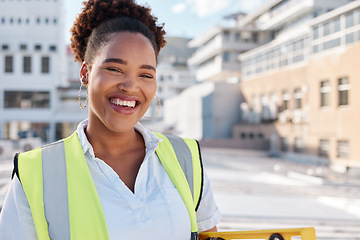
[173, 74]
[300, 88]
[214, 104]
[217, 51]
[33, 71]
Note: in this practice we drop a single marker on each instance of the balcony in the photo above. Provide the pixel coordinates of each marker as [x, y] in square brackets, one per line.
[218, 45]
[209, 70]
[284, 14]
[207, 51]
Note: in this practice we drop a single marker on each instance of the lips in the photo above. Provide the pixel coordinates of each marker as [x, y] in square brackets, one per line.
[124, 104]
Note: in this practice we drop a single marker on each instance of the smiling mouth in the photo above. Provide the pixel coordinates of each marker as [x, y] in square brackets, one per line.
[123, 103]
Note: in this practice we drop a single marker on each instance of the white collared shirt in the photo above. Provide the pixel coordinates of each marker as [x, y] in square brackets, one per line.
[154, 211]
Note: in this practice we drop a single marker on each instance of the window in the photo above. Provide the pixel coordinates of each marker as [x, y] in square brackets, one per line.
[237, 37]
[5, 47]
[265, 113]
[298, 58]
[260, 135]
[243, 135]
[23, 47]
[337, 25]
[38, 20]
[350, 38]
[255, 37]
[37, 47]
[343, 149]
[251, 135]
[26, 99]
[315, 49]
[55, 21]
[298, 145]
[27, 64]
[285, 100]
[226, 57]
[332, 43]
[316, 33]
[343, 91]
[324, 146]
[284, 144]
[52, 48]
[324, 93]
[226, 36]
[298, 98]
[298, 45]
[9, 64]
[45, 64]
[349, 19]
[326, 29]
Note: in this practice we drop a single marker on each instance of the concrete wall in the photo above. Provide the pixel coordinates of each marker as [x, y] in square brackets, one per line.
[204, 111]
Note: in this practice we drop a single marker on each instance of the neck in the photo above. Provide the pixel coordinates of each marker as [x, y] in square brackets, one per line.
[107, 143]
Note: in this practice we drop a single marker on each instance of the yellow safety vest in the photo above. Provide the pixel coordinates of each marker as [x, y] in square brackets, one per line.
[57, 177]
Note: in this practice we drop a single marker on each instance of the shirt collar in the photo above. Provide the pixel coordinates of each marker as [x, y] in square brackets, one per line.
[150, 139]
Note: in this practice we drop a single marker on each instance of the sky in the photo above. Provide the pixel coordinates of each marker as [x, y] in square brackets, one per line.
[183, 18]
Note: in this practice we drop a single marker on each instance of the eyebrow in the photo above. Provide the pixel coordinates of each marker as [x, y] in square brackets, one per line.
[148, 67]
[123, 62]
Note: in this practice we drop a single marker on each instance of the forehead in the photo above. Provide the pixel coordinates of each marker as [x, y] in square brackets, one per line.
[130, 45]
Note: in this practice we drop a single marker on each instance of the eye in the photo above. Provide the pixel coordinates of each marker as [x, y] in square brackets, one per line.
[113, 69]
[148, 76]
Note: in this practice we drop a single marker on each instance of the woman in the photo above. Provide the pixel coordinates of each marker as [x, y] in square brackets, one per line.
[129, 194]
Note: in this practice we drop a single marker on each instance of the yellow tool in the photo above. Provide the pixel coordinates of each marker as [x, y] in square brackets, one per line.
[269, 234]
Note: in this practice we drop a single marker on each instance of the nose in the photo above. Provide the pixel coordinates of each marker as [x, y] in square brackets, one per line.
[129, 84]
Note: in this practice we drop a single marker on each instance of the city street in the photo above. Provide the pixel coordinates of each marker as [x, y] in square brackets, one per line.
[257, 192]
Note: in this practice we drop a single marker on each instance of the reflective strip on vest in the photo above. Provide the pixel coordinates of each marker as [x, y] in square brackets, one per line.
[84, 218]
[55, 191]
[63, 198]
[184, 158]
[173, 164]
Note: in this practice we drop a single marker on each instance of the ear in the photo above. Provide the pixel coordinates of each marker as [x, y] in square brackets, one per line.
[84, 73]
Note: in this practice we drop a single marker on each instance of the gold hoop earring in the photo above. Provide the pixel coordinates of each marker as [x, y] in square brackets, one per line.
[159, 102]
[86, 101]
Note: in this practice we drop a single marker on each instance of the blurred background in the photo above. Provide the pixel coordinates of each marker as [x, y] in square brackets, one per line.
[268, 87]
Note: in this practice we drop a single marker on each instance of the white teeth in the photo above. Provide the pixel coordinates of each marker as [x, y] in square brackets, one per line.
[123, 103]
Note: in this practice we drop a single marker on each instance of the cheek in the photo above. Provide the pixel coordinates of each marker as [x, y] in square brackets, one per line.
[95, 91]
[151, 89]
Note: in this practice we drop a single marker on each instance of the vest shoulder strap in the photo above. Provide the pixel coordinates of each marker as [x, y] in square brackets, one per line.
[62, 196]
[182, 161]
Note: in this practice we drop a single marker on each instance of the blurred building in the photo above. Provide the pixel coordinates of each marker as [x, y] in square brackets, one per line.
[33, 71]
[214, 105]
[204, 111]
[173, 75]
[68, 113]
[31, 57]
[300, 88]
[217, 50]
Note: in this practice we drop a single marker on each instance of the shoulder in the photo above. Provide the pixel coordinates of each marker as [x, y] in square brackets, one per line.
[29, 159]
